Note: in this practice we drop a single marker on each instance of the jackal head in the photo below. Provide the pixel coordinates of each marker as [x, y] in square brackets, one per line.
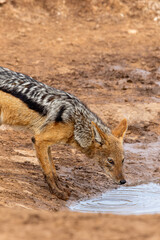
[108, 150]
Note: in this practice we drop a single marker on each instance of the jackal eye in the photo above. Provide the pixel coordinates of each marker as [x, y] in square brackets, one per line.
[123, 161]
[110, 160]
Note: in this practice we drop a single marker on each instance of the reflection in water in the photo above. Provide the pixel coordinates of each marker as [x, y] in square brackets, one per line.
[140, 199]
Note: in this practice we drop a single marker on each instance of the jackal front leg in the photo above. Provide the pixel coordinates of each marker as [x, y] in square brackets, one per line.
[57, 181]
[48, 170]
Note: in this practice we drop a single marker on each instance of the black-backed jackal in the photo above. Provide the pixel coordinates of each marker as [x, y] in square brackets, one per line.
[55, 116]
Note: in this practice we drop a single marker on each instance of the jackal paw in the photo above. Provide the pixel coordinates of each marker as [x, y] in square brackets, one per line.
[61, 187]
[60, 194]
[64, 189]
[56, 188]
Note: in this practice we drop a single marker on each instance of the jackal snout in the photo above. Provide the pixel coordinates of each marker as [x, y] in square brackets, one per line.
[119, 179]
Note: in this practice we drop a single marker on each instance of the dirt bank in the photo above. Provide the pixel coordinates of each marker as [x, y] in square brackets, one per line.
[25, 224]
[106, 53]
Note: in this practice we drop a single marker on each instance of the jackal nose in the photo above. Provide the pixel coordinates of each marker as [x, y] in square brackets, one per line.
[123, 181]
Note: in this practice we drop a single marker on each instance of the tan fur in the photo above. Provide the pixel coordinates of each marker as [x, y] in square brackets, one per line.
[14, 112]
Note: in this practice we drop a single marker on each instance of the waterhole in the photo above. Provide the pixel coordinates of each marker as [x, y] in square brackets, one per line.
[141, 199]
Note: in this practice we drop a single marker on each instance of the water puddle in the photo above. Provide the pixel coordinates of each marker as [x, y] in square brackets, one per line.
[141, 199]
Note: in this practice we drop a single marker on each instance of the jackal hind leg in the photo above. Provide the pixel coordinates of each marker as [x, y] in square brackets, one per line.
[57, 180]
[48, 170]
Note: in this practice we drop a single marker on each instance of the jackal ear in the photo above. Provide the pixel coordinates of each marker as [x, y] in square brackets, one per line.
[98, 134]
[120, 130]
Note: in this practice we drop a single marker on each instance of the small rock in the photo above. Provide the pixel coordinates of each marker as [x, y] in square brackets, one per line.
[122, 15]
[59, 39]
[132, 31]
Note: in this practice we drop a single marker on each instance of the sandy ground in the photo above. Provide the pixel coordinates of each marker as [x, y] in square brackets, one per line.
[107, 53]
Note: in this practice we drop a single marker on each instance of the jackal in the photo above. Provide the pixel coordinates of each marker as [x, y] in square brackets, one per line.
[55, 116]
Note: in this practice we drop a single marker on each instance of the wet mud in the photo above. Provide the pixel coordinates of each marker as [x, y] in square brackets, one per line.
[107, 55]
